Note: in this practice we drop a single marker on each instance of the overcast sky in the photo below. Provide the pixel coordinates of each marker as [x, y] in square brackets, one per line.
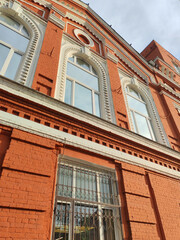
[141, 21]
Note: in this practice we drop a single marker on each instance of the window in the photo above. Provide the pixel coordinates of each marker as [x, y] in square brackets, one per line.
[177, 68]
[139, 114]
[87, 205]
[14, 40]
[82, 86]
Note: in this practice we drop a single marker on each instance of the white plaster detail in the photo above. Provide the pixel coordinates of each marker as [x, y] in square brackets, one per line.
[36, 29]
[44, 131]
[84, 23]
[56, 105]
[169, 89]
[79, 32]
[177, 107]
[70, 48]
[112, 57]
[146, 94]
[57, 21]
[43, 3]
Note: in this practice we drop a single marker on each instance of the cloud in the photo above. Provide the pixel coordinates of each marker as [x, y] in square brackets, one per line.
[140, 21]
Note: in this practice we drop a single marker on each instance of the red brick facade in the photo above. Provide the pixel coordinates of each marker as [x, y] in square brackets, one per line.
[39, 132]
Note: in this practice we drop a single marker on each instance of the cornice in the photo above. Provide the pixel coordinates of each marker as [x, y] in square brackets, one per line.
[60, 107]
[122, 54]
[169, 89]
[168, 95]
[57, 21]
[43, 3]
[95, 25]
[168, 78]
[17, 122]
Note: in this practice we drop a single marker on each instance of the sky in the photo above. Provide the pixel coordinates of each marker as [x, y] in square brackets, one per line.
[141, 21]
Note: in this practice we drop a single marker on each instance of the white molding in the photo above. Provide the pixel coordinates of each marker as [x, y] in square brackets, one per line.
[43, 3]
[169, 89]
[57, 21]
[165, 93]
[44, 131]
[70, 48]
[60, 107]
[146, 94]
[177, 107]
[36, 29]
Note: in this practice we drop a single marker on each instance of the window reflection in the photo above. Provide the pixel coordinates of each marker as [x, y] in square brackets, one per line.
[82, 86]
[139, 114]
[14, 40]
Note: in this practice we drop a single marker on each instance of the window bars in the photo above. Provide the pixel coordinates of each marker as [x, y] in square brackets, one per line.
[87, 205]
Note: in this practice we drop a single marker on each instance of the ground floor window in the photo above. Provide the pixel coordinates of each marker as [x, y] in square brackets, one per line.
[87, 204]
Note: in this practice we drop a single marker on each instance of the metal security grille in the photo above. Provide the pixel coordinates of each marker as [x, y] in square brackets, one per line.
[87, 205]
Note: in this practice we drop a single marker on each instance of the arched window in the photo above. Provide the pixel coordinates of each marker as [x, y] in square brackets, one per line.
[139, 114]
[14, 40]
[82, 86]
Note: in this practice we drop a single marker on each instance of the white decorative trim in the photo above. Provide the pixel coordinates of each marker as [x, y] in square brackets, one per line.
[69, 48]
[43, 3]
[169, 89]
[62, 108]
[165, 93]
[44, 131]
[177, 107]
[25, 75]
[84, 23]
[112, 57]
[146, 94]
[78, 32]
[57, 21]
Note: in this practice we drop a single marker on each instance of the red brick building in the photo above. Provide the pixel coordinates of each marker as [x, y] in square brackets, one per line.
[90, 133]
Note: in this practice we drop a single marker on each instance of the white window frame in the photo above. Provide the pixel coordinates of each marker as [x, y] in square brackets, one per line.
[12, 49]
[148, 118]
[36, 29]
[69, 48]
[100, 205]
[74, 81]
[158, 129]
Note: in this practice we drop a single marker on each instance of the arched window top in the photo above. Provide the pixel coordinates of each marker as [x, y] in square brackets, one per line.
[139, 113]
[13, 24]
[82, 86]
[14, 40]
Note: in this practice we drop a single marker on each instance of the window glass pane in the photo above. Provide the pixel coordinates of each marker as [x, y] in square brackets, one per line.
[108, 224]
[13, 38]
[25, 32]
[13, 66]
[82, 63]
[133, 92]
[105, 189]
[94, 71]
[62, 221]
[9, 21]
[86, 185]
[3, 54]
[65, 181]
[83, 98]
[86, 226]
[71, 59]
[142, 126]
[137, 105]
[82, 76]
[97, 107]
[68, 92]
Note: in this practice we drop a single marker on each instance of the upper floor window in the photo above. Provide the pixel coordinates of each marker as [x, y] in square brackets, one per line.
[14, 40]
[139, 114]
[82, 86]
